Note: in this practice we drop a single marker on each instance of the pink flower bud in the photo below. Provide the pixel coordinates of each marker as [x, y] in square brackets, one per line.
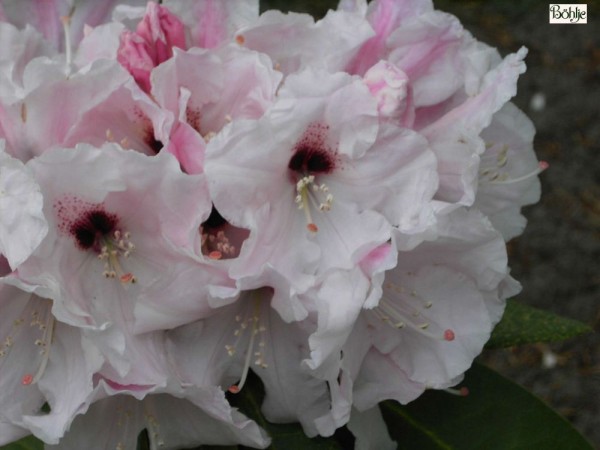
[163, 30]
[135, 54]
[151, 44]
[390, 86]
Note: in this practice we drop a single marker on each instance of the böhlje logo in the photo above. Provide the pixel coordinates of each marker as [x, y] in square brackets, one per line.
[571, 13]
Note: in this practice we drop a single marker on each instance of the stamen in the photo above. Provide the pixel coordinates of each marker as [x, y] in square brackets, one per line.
[502, 157]
[307, 191]
[45, 343]
[503, 178]
[66, 23]
[399, 313]
[256, 329]
[237, 388]
[216, 245]
[122, 420]
[153, 428]
[492, 174]
[112, 249]
[6, 346]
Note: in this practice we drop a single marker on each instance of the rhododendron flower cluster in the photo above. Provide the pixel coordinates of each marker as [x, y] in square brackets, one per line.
[191, 191]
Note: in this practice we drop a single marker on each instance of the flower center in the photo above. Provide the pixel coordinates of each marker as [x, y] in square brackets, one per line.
[98, 230]
[400, 310]
[93, 229]
[249, 327]
[311, 158]
[114, 247]
[309, 193]
[493, 164]
[220, 239]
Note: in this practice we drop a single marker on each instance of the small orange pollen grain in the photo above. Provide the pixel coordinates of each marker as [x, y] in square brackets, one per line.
[544, 165]
[240, 39]
[215, 255]
[27, 379]
[464, 391]
[312, 228]
[234, 389]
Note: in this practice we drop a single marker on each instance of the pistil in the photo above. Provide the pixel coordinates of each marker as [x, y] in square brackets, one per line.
[493, 174]
[398, 313]
[45, 343]
[66, 23]
[255, 328]
[307, 191]
[111, 250]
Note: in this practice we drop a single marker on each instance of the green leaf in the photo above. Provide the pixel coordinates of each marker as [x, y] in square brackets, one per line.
[284, 436]
[524, 324]
[27, 443]
[496, 415]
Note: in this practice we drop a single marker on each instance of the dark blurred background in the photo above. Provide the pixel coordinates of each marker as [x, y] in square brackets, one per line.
[557, 259]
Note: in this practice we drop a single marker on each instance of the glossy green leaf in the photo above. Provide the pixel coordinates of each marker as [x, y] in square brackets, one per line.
[524, 324]
[27, 443]
[496, 415]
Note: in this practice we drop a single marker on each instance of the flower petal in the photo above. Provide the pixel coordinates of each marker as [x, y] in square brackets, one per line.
[22, 222]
